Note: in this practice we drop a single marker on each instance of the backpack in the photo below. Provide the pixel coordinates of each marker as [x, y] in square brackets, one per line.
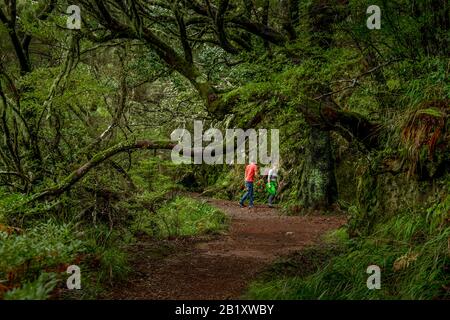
[271, 188]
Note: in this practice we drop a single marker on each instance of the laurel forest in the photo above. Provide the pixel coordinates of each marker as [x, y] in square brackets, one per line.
[355, 94]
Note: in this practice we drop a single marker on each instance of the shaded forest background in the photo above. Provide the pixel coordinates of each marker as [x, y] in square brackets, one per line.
[86, 117]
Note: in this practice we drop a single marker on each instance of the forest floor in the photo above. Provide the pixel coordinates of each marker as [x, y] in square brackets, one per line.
[221, 266]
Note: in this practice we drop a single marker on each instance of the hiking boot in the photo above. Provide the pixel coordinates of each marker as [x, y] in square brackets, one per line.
[250, 207]
[241, 205]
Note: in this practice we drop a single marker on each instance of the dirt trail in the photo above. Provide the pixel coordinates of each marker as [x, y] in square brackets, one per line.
[220, 267]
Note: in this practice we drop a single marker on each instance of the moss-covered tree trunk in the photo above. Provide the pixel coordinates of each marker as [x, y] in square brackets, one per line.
[318, 181]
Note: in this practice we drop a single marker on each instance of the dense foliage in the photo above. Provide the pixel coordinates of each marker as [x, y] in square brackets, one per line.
[86, 117]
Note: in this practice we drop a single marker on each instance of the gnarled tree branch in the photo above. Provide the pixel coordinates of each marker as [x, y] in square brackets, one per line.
[79, 173]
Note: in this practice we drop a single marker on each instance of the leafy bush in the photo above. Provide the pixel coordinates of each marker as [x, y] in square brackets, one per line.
[25, 255]
[39, 289]
[182, 217]
[31, 252]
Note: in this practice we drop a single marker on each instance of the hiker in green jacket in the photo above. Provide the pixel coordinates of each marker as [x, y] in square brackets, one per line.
[272, 178]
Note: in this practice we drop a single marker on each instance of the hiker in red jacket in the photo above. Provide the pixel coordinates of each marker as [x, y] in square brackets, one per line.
[251, 171]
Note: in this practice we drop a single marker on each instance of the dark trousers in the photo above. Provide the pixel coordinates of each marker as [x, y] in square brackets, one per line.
[271, 197]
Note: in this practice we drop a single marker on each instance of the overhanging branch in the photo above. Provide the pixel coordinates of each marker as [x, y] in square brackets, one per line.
[79, 173]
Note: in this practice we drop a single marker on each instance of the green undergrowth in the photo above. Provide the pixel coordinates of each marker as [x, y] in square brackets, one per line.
[412, 250]
[181, 217]
[34, 266]
[94, 231]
